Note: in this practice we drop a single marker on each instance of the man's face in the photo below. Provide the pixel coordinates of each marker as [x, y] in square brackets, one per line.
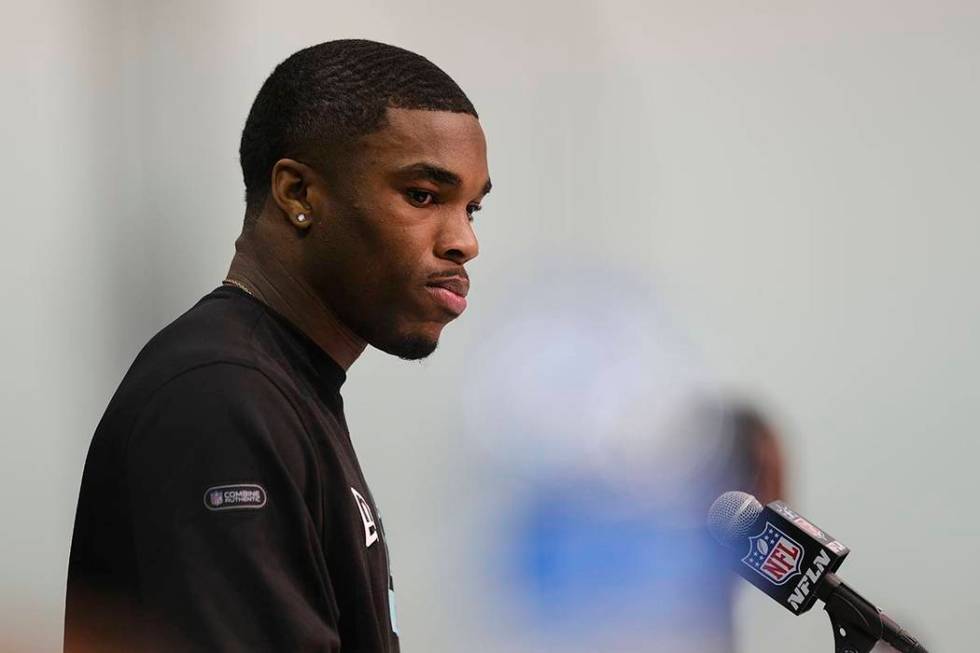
[398, 210]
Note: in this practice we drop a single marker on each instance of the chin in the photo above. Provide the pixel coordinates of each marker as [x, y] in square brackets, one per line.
[411, 348]
[409, 341]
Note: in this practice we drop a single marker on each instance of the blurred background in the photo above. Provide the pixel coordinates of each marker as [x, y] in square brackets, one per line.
[729, 245]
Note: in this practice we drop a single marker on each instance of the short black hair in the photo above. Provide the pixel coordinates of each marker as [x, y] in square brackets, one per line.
[332, 93]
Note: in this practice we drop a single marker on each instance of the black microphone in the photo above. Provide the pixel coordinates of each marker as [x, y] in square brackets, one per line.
[793, 561]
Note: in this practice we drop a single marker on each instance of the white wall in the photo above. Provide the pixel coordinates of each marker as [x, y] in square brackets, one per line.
[798, 179]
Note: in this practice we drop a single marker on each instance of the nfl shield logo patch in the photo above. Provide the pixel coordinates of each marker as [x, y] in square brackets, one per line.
[217, 498]
[774, 555]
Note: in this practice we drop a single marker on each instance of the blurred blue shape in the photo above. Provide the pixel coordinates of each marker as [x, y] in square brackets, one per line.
[584, 562]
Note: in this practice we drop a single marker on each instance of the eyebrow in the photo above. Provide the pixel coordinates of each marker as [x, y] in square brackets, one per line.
[438, 175]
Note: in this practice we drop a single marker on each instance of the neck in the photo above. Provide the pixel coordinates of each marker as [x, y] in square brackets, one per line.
[274, 284]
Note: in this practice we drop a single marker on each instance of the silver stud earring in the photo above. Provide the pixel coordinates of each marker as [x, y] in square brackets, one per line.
[301, 217]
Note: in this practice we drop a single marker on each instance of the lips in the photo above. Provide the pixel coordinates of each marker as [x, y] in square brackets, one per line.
[450, 293]
[457, 285]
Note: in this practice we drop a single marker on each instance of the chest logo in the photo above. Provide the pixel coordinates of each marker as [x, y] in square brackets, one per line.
[370, 528]
[235, 497]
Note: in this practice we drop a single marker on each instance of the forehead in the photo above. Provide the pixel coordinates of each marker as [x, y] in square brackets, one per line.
[453, 141]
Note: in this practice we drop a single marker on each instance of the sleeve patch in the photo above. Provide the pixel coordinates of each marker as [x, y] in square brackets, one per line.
[235, 497]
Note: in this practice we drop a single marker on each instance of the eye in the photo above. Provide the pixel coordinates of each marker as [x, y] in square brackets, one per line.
[471, 209]
[419, 197]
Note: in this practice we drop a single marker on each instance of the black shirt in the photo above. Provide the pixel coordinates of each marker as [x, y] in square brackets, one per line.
[222, 506]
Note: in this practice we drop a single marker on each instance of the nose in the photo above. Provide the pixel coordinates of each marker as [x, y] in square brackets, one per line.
[457, 241]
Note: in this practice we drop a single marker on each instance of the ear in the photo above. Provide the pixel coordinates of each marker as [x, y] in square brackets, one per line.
[292, 189]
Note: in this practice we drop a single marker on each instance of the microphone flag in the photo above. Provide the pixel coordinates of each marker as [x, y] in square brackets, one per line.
[786, 556]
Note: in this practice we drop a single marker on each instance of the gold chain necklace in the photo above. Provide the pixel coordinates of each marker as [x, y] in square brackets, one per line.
[239, 285]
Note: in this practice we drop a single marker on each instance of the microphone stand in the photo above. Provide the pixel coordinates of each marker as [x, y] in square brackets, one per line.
[858, 624]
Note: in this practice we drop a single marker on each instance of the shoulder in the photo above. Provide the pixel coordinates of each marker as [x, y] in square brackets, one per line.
[223, 336]
[213, 385]
[220, 327]
[220, 420]
[237, 396]
[220, 388]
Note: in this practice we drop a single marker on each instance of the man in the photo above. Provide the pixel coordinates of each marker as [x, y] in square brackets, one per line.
[222, 507]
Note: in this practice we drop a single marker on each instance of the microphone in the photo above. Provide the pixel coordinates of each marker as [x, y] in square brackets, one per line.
[794, 563]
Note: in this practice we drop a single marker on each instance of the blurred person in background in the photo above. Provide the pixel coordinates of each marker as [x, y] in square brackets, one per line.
[613, 568]
[758, 461]
[222, 506]
[594, 413]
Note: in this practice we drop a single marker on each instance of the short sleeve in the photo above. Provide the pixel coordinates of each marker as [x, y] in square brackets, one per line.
[223, 494]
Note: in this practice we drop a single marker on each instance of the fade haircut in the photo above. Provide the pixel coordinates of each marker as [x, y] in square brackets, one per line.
[328, 95]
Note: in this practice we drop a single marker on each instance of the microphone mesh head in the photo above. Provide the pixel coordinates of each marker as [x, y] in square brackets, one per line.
[731, 516]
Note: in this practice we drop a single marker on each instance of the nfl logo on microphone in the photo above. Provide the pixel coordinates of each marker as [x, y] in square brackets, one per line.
[774, 555]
